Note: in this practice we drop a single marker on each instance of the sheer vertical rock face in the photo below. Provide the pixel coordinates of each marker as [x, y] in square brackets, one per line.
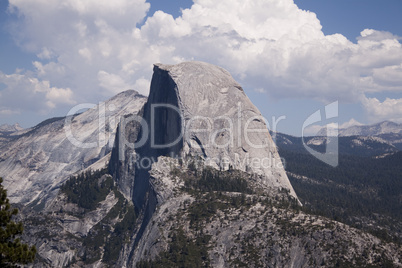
[123, 157]
[160, 132]
[197, 110]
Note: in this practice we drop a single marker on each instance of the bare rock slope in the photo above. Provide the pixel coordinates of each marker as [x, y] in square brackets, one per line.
[194, 180]
[202, 223]
[36, 163]
[221, 124]
[197, 110]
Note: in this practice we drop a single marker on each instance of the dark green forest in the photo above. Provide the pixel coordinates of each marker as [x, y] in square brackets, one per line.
[214, 191]
[361, 191]
[13, 251]
[86, 190]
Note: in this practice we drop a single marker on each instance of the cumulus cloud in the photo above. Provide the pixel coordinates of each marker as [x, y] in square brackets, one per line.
[111, 82]
[97, 48]
[26, 93]
[389, 109]
[389, 76]
[78, 42]
[56, 95]
[373, 35]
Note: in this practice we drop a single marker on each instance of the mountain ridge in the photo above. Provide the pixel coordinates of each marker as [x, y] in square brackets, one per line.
[384, 127]
[10, 128]
[44, 157]
[158, 191]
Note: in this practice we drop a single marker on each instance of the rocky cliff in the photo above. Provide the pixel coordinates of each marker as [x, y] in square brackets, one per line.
[198, 111]
[219, 122]
[10, 128]
[201, 221]
[193, 180]
[36, 163]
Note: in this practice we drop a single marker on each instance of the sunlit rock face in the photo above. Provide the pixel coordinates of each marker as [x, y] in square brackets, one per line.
[205, 177]
[35, 163]
[197, 110]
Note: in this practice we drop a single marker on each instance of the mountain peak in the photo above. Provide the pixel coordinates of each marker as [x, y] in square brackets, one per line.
[37, 163]
[355, 128]
[385, 127]
[352, 122]
[10, 128]
[193, 73]
[220, 123]
[127, 93]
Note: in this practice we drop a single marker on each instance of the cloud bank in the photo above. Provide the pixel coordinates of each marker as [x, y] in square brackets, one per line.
[98, 48]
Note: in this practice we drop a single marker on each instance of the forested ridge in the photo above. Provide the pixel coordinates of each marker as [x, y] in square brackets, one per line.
[361, 191]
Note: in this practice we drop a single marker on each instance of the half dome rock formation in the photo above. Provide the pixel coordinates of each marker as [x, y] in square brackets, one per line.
[196, 110]
[193, 179]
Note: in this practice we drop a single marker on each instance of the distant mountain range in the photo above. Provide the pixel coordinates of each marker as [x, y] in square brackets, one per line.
[10, 128]
[363, 190]
[36, 161]
[381, 133]
[359, 145]
[386, 127]
[7, 130]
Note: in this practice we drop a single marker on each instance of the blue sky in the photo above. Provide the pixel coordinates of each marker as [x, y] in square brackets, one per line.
[291, 59]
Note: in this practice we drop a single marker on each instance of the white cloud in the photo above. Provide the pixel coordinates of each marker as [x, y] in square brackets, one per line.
[389, 76]
[8, 112]
[96, 49]
[75, 40]
[85, 53]
[59, 96]
[370, 34]
[389, 109]
[332, 128]
[46, 54]
[376, 49]
[142, 85]
[112, 82]
[275, 45]
[23, 92]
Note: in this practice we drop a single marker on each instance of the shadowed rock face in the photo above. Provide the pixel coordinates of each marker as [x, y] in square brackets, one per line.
[160, 133]
[217, 121]
[194, 111]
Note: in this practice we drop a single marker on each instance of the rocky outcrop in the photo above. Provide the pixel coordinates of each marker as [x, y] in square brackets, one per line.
[194, 111]
[67, 234]
[197, 110]
[221, 125]
[5, 128]
[232, 229]
[196, 181]
[124, 158]
[36, 163]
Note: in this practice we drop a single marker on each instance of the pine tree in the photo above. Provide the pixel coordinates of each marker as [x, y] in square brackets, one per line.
[12, 250]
